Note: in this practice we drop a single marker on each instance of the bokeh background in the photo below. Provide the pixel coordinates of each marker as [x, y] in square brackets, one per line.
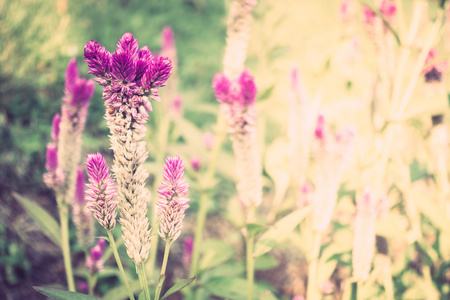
[38, 38]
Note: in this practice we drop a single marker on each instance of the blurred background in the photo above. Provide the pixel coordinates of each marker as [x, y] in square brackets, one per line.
[38, 38]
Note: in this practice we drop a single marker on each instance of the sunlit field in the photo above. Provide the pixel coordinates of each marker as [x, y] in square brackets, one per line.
[235, 149]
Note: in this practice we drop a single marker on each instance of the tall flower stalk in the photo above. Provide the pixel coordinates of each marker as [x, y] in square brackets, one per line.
[82, 216]
[332, 153]
[100, 198]
[130, 78]
[171, 208]
[237, 98]
[63, 154]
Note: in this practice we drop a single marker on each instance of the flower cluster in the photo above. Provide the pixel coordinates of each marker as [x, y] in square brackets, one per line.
[387, 8]
[94, 262]
[172, 202]
[332, 153]
[55, 176]
[101, 191]
[130, 77]
[82, 215]
[77, 94]
[237, 98]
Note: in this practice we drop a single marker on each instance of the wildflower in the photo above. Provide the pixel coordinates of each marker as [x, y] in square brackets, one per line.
[172, 202]
[130, 77]
[177, 106]
[305, 196]
[55, 128]
[208, 140]
[82, 216]
[195, 163]
[364, 239]
[77, 93]
[55, 176]
[94, 262]
[299, 297]
[101, 191]
[188, 246]
[332, 153]
[237, 100]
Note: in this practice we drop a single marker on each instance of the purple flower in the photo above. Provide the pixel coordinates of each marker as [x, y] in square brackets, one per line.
[172, 203]
[188, 246]
[101, 191]
[320, 127]
[52, 157]
[248, 88]
[79, 187]
[168, 39]
[129, 74]
[94, 262]
[221, 86]
[78, 91]
[55, 128]
[195, 163]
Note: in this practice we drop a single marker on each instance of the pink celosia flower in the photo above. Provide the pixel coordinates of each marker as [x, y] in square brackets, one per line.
[346, 10]
[82, 216]
[168, 39]
[195, 163]
[237, 98]
[94, 262]
[188, 246]
[77, 93]
[101, 191]
[326, 287]
[332, 153]
[83, 287]
[299, 297]
[208, 140]
[177, 106]
[305, 197]
[172, 202]
[55, 128]
[364, 239]
[55, 176]
[387, 8]
[130, 78]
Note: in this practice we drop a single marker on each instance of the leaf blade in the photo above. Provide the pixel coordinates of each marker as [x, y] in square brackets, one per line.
[178, 286]
[57, 294]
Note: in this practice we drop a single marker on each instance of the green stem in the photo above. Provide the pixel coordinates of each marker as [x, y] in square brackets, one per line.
[119, 264]
[312, 290]
[92, 281]
[163, 271]
[203, 209]
[250, 265]
[143, 281]
[354, 295]
[64, 219]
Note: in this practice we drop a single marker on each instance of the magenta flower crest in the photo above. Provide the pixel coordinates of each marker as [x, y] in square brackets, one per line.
[78, 91]
[54, 178]
[55, 128]
[101, 191]
[168, 39]
[94, 262]
[172, 203]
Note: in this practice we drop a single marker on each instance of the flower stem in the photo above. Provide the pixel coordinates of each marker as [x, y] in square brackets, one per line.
[64, 219]
[92, 281]
[250, 265]
[354, 295]
[163, 271]
[143, 281]
[312, 268]
[119, 264]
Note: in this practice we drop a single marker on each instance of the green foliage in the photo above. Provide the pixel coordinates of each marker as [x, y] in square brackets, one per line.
[43, 219]
[62, 295]
[236, 289]
[178, 286]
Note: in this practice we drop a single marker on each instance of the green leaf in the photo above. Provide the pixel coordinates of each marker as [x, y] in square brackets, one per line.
[215, 252]
[178, 286]
[255, 229]
[61, 294]
[265, 262]
[120, 292]
[43, 219]
[236, 289]
[280, 231]
[266, 93]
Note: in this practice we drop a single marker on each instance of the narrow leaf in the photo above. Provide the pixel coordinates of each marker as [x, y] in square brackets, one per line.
[62, 295]
[236, 289]
[43, 219]
[280, 231]
[178, 286]
[255, 229]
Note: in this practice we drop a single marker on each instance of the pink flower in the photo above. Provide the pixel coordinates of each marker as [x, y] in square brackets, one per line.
[188, 246]
[82, 216]
[101, 191]
[208, 140]
[168, 39]
[172, 203]
[55, 128]
[305, 196]
[94, 262]
[195, 163]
